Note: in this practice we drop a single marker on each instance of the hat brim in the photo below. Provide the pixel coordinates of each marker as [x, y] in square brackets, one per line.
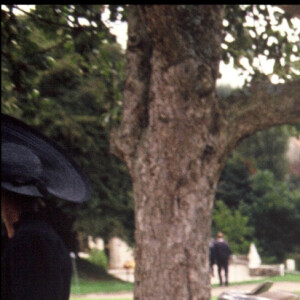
[61, 175]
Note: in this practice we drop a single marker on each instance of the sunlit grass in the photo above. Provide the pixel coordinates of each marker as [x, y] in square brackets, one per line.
[92, 286]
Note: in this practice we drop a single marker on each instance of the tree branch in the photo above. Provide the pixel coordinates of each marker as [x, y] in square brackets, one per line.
[262, 106]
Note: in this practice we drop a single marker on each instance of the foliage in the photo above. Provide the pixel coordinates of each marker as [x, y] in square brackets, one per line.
[234, 225]
[65, 77]
[98, 258]
[294, 181]
[234, 184]
[274, 214]
[256, 31]
[266, 150]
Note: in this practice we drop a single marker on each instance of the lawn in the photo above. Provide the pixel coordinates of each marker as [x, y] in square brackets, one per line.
[286, 277]
[92, 286]
[88, 287]
[96, 280]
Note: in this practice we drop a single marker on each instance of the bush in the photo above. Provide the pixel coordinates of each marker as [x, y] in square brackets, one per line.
[234, 225]
[269, 260]
[275, 216]
[98, 258]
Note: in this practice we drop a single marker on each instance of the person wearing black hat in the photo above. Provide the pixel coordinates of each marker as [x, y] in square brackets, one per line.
[35, 264]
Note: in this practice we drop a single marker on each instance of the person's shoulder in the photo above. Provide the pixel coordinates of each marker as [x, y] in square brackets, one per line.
[221, 243]
[31, 230]
[39, 238]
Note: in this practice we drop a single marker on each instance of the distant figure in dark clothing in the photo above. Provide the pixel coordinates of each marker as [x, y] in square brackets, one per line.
[222, 254]
[212, 259]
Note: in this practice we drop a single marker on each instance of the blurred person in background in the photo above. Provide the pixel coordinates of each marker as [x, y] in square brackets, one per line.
[222, 254]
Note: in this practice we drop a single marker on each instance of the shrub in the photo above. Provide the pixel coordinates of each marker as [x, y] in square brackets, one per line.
[98, 258]
[234, 225]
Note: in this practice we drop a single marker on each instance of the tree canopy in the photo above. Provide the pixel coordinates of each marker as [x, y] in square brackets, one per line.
[65, 77]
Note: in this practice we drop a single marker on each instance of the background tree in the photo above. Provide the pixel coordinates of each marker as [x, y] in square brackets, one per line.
[267, 150]
[274, 214]
[70, 88]
[237, 187]
[234, 185]
[235, 226]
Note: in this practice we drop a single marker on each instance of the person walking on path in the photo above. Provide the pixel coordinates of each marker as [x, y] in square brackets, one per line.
[35, 264]
[222, 254]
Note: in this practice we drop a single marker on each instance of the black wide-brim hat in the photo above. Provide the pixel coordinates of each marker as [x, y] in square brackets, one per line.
[34, 165]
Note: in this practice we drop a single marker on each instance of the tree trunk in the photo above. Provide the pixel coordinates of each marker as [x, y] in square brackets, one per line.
[175, 137]
[167, 143]
[173, 203]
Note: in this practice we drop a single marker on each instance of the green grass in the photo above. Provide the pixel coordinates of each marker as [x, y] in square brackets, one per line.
[91, 271]
[105, 286]
[98, 258]
[89, 287]
[110, 286]
[286, 277]
[94, 279]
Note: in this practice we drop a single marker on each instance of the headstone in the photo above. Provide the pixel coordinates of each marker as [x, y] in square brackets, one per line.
[254, 260]
[290, 265]
[281, 270]
[119, 253]
[95, 243]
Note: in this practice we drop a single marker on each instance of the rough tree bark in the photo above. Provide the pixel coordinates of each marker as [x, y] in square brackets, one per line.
[175, 137]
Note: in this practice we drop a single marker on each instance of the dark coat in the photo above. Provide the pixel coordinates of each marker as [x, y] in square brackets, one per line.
[212, 255]
[35, 263]
[222, 252]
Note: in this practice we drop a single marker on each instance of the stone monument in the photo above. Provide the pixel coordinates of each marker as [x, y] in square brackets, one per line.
[119, 253]
[254, 260]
